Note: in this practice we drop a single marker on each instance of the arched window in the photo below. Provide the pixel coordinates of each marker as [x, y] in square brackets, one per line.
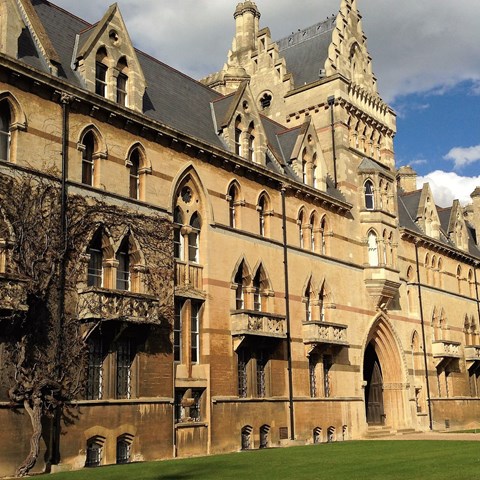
[178, 242]
[308, 302]
[134, 174]
[251, 142]
[321, 302]
[95, 261]
[89, 147]
[124, 447]
[262, 214]
[313, 232]
[125, 353]
[123, 267]
[372, 249]
[101, 72]
[194, 238]
[304, 172]
[122, 82]
[331, 434]
[317, 435]
[238, 136]
[264, 429]
[459, 279]
[232, 205]
[246, 437]
[323, 236]
[94, 451]
[5, 122]
[471, 283]
[257, 298]
[369, 195]
[241, 283]
[314, 171]
[300, 223]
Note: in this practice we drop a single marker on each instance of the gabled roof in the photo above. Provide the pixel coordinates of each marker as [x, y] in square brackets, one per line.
[306, 51]
[368, 165]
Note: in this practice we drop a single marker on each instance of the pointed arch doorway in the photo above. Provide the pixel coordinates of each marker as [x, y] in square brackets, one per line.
[384, 377]
[372, 375]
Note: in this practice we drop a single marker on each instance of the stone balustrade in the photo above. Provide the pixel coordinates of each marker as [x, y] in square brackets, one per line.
[248, 322]
[324, 333]
[100, 303]
[472, 353]
[13, 294]
[446, 348]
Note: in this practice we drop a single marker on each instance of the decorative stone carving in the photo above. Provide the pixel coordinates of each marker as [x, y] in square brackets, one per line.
[317, 332]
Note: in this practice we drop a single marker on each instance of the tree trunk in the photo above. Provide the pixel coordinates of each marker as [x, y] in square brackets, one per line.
[35, 414]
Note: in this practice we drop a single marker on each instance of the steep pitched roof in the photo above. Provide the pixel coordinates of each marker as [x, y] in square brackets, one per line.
[306, 51]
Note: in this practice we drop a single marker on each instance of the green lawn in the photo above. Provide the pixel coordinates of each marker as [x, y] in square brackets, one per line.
[365, 460]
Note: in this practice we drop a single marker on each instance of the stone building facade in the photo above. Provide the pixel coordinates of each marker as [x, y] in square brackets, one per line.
[317, 292]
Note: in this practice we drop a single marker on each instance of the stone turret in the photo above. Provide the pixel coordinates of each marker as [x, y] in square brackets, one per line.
[407, 179]
[246, 30]
[475, 217]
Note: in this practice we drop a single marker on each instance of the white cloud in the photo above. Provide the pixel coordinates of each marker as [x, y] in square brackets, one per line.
[463, 156]
[448, 186]
[425, 45]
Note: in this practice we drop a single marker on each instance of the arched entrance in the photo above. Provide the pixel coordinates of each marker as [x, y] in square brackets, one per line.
[384, 376]
[372, 376]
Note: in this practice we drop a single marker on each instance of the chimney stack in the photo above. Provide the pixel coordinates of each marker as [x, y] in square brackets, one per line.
[407, 179]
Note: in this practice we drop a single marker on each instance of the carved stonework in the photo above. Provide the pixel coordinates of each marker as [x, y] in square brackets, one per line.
[13, 294]
[324, 333]
[247, 322]
[96, 303]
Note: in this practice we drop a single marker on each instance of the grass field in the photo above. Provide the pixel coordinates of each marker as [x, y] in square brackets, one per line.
[365, 460]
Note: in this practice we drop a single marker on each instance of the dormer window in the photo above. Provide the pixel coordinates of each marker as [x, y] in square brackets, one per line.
[122, 81]
[101, 73]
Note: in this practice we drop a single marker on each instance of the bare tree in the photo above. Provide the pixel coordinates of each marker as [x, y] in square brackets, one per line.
[48, 359]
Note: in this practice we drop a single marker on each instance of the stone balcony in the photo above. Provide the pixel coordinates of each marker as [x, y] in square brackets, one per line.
[249, 322]
[382, 284]
[324, 333]
[445, 350]
[13, 294]
[472, 353]
[188, 276]
[104, 304]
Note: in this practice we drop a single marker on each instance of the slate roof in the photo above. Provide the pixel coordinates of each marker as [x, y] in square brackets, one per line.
[306, 51]
[174, 99]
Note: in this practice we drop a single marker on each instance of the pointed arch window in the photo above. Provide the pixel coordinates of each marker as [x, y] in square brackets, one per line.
[95, 261]
[372, 245]
[314, 171]
[238, 136]
[124, 446]
[321, 303]
[369, 195]
[94, 384]
[5, 123]
[122, 82]
[257, 292]
[301, 219]
[88, 165]
[178, 240]
[308, 303]
[314, 230]
[123, 267]
[134, 174]
[194, 238]
[262, 215]
[240, 286]
[304, 172]
[323, 236]
[101, 70]
[94, 452]
[251, 142]
[232, 206]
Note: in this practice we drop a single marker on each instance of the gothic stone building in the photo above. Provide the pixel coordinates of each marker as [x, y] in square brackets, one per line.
[317, 291]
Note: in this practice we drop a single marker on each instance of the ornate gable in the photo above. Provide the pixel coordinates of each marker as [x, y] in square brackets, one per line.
[457, 229]
[427, 215]
[307, 158]
[348, 53]
[107, 62]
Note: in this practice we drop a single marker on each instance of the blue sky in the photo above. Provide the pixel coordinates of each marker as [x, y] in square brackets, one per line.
[426, 56]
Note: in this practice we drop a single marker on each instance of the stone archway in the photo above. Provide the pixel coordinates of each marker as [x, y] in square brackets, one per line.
[384, 375]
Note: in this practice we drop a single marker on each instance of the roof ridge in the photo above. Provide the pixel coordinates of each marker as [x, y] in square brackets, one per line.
[70, 14]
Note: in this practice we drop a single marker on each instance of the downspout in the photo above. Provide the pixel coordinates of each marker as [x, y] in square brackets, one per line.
[331, 103]
[422, 320]
[476, 290]
[287, 316]
[65, 101]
